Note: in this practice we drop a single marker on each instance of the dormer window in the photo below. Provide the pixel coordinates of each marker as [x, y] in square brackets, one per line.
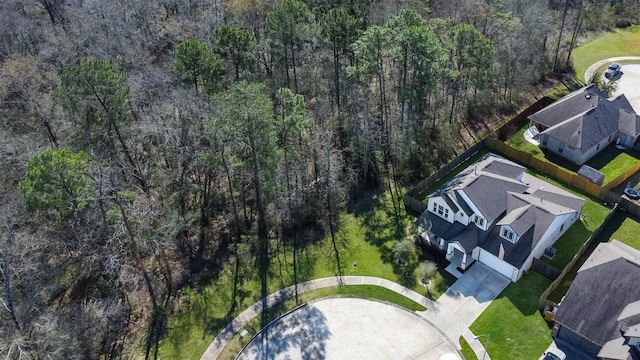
[509, 235]
[478, 220]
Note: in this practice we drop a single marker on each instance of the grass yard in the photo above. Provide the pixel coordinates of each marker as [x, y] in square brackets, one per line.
[611, 162]
[517, 329]
[366, 291]
[628, 232]
[618, 43]
[365, 235]
[467, 351]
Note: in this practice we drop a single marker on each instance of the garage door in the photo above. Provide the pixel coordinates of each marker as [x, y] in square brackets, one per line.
[496, 264]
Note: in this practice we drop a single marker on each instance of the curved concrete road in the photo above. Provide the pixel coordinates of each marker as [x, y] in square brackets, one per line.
[629, 82]
[452, 314]
[595, 66]
[350, 328]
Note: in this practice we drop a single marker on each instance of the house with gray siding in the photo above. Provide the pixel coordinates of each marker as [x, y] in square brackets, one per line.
[583, 123]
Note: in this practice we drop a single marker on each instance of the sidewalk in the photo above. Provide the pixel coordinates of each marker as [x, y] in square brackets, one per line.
[441, 314]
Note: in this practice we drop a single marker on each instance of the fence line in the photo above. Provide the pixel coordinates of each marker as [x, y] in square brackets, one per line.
[545, 269]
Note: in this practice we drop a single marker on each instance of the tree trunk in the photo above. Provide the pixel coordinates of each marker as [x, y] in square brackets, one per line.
[564, 16]
[6, 272]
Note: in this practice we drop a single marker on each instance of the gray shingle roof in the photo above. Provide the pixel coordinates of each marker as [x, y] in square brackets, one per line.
[488, 193]
[585, 117]
[520, 219]
[515, 254]
[605, 284]
[629, 123]
[504, 168]
[467, 236]
[569, 106]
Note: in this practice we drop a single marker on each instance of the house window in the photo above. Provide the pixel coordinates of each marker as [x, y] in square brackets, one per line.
[478, 220]
[598, 147]
[561, 227]
[435, 207]
[508, 234]
[446, 213]
[440, 210]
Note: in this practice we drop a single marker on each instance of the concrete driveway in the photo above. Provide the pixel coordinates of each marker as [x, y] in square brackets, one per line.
[629, 82]
[349, 328]
[466, 299]
[629, 85]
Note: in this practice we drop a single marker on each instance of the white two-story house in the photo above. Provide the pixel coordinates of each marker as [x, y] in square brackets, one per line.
[495, 213]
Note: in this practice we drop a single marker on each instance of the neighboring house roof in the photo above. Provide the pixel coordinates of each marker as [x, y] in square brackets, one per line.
[528, 206]
[585, 117]
[569, 106]
[604, 287]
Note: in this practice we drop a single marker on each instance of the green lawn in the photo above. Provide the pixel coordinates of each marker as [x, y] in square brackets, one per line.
[617, 43]
[467, 351]
[517, 329]
[628, 233]
[365, 236]
[366, 291]
[611, 162]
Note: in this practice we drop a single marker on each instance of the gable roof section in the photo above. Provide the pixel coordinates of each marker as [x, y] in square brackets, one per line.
[630, 315]
[569, 106]
[583, 131]
[504, 168]
[520, 219]
[629, 123]
[605, 284]
[467, 236]
[489, 193]
[514, 254]
[623, 103]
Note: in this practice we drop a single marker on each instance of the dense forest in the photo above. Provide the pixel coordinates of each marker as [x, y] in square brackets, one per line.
[144, 142]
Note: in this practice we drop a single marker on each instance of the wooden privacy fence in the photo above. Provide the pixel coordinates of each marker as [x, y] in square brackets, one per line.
[507, 127]
[622, 177]
[545, 269]
[543, 301]
[550, 169]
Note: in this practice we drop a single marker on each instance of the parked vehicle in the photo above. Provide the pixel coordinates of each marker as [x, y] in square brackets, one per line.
[612, 71]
